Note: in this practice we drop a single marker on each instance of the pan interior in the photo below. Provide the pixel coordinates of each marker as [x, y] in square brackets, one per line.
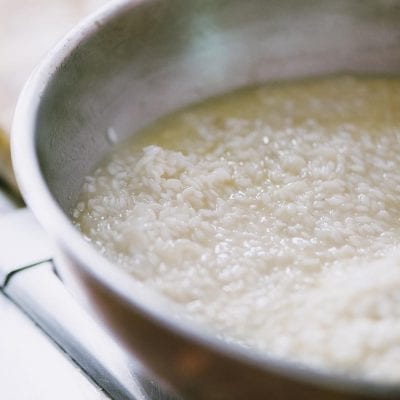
[157, 56]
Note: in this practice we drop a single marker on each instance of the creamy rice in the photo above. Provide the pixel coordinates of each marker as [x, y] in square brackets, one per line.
[271, 215]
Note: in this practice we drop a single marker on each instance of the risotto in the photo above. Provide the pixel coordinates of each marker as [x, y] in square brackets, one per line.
[271, 215]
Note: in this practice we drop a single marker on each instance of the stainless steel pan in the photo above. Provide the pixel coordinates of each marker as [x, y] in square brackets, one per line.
[129, 64]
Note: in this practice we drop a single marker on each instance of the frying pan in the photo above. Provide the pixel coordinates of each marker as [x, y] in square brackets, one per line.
[129, 64]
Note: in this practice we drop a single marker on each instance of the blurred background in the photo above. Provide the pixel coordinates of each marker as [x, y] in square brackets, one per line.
[28, 30]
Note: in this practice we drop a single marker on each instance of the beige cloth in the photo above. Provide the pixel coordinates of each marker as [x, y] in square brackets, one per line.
[28, 29]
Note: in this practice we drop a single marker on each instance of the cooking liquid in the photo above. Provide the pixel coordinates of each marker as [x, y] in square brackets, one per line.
[271, 215]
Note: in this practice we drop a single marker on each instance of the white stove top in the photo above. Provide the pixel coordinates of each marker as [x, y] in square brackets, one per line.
[32, 367]
[49, 347]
